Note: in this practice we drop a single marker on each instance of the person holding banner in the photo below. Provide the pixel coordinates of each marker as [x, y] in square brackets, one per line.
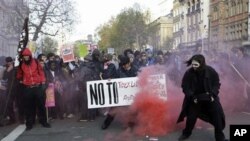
[201, 85]
[126, 70]
[108, 70]
[53, 75]
[84, 74]
[31, 75]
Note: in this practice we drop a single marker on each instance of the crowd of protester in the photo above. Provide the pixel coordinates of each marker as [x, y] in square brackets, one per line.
[70, 79]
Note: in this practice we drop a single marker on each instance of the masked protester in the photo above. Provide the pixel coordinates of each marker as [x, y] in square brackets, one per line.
[201, 85]
[126, 70]
[30, 73]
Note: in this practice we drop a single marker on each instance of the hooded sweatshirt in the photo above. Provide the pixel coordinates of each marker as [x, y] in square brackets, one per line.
[30, 74]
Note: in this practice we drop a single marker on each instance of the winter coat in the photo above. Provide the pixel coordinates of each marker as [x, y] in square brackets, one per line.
[122, 73]
[11, 81]
[50, 78]
[109, 72]
[211, 85]
[31, 74]
[87, 72]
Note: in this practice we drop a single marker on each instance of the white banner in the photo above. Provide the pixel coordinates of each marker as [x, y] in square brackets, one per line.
[121, 92]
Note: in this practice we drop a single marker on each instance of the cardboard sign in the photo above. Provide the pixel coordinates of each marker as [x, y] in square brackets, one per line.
[67, 54]
[111, 50]
[120, 92]
[157, 83]
[50, 96]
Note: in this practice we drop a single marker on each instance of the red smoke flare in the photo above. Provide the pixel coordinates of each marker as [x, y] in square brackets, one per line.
[152, 115]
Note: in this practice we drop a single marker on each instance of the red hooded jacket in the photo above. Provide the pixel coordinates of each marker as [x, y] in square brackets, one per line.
[31, 74]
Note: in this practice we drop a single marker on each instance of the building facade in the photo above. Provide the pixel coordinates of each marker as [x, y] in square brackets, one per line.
[191, 23]
[179, 23]
[164, 33]
[197, 22]
[229, 23]
[12, 13]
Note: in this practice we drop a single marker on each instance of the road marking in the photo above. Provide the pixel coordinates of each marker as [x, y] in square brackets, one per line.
[15, 133]
[246, 113]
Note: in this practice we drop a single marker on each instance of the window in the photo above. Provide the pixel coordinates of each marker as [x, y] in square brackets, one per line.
[237, 8]
[233, 8]
[246, 7]
[216, 13]
[226, 13]
[194, 21]
[240, 6]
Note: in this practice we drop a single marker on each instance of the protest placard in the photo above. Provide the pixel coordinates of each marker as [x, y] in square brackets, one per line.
[121, 92]
[50, 96]
[67, 53]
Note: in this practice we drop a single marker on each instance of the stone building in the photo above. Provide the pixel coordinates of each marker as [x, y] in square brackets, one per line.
[12, 13]
[191, 23]
[228, 23]
[164, 32]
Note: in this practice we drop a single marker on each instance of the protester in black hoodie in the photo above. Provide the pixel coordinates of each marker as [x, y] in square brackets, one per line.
[201, 85]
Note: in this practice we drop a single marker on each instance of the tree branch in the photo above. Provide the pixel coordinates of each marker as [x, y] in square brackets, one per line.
[49, 34]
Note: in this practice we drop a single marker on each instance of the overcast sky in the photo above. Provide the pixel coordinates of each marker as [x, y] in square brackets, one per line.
[93, 13]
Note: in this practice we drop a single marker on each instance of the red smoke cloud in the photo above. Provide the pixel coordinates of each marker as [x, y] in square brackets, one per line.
[152, 115]
[232, 91]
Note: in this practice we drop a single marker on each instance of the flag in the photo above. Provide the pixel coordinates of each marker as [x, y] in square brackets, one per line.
[23, 41]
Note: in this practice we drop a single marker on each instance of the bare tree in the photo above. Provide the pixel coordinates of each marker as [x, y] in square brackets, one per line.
[47, 17]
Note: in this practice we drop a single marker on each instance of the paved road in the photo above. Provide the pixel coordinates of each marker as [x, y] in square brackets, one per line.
[70, 130]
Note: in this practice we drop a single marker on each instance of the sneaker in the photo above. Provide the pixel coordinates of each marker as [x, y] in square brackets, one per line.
[46, 125]
[183, 137]
[70, 116]
[104, 126]
[107, 122]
